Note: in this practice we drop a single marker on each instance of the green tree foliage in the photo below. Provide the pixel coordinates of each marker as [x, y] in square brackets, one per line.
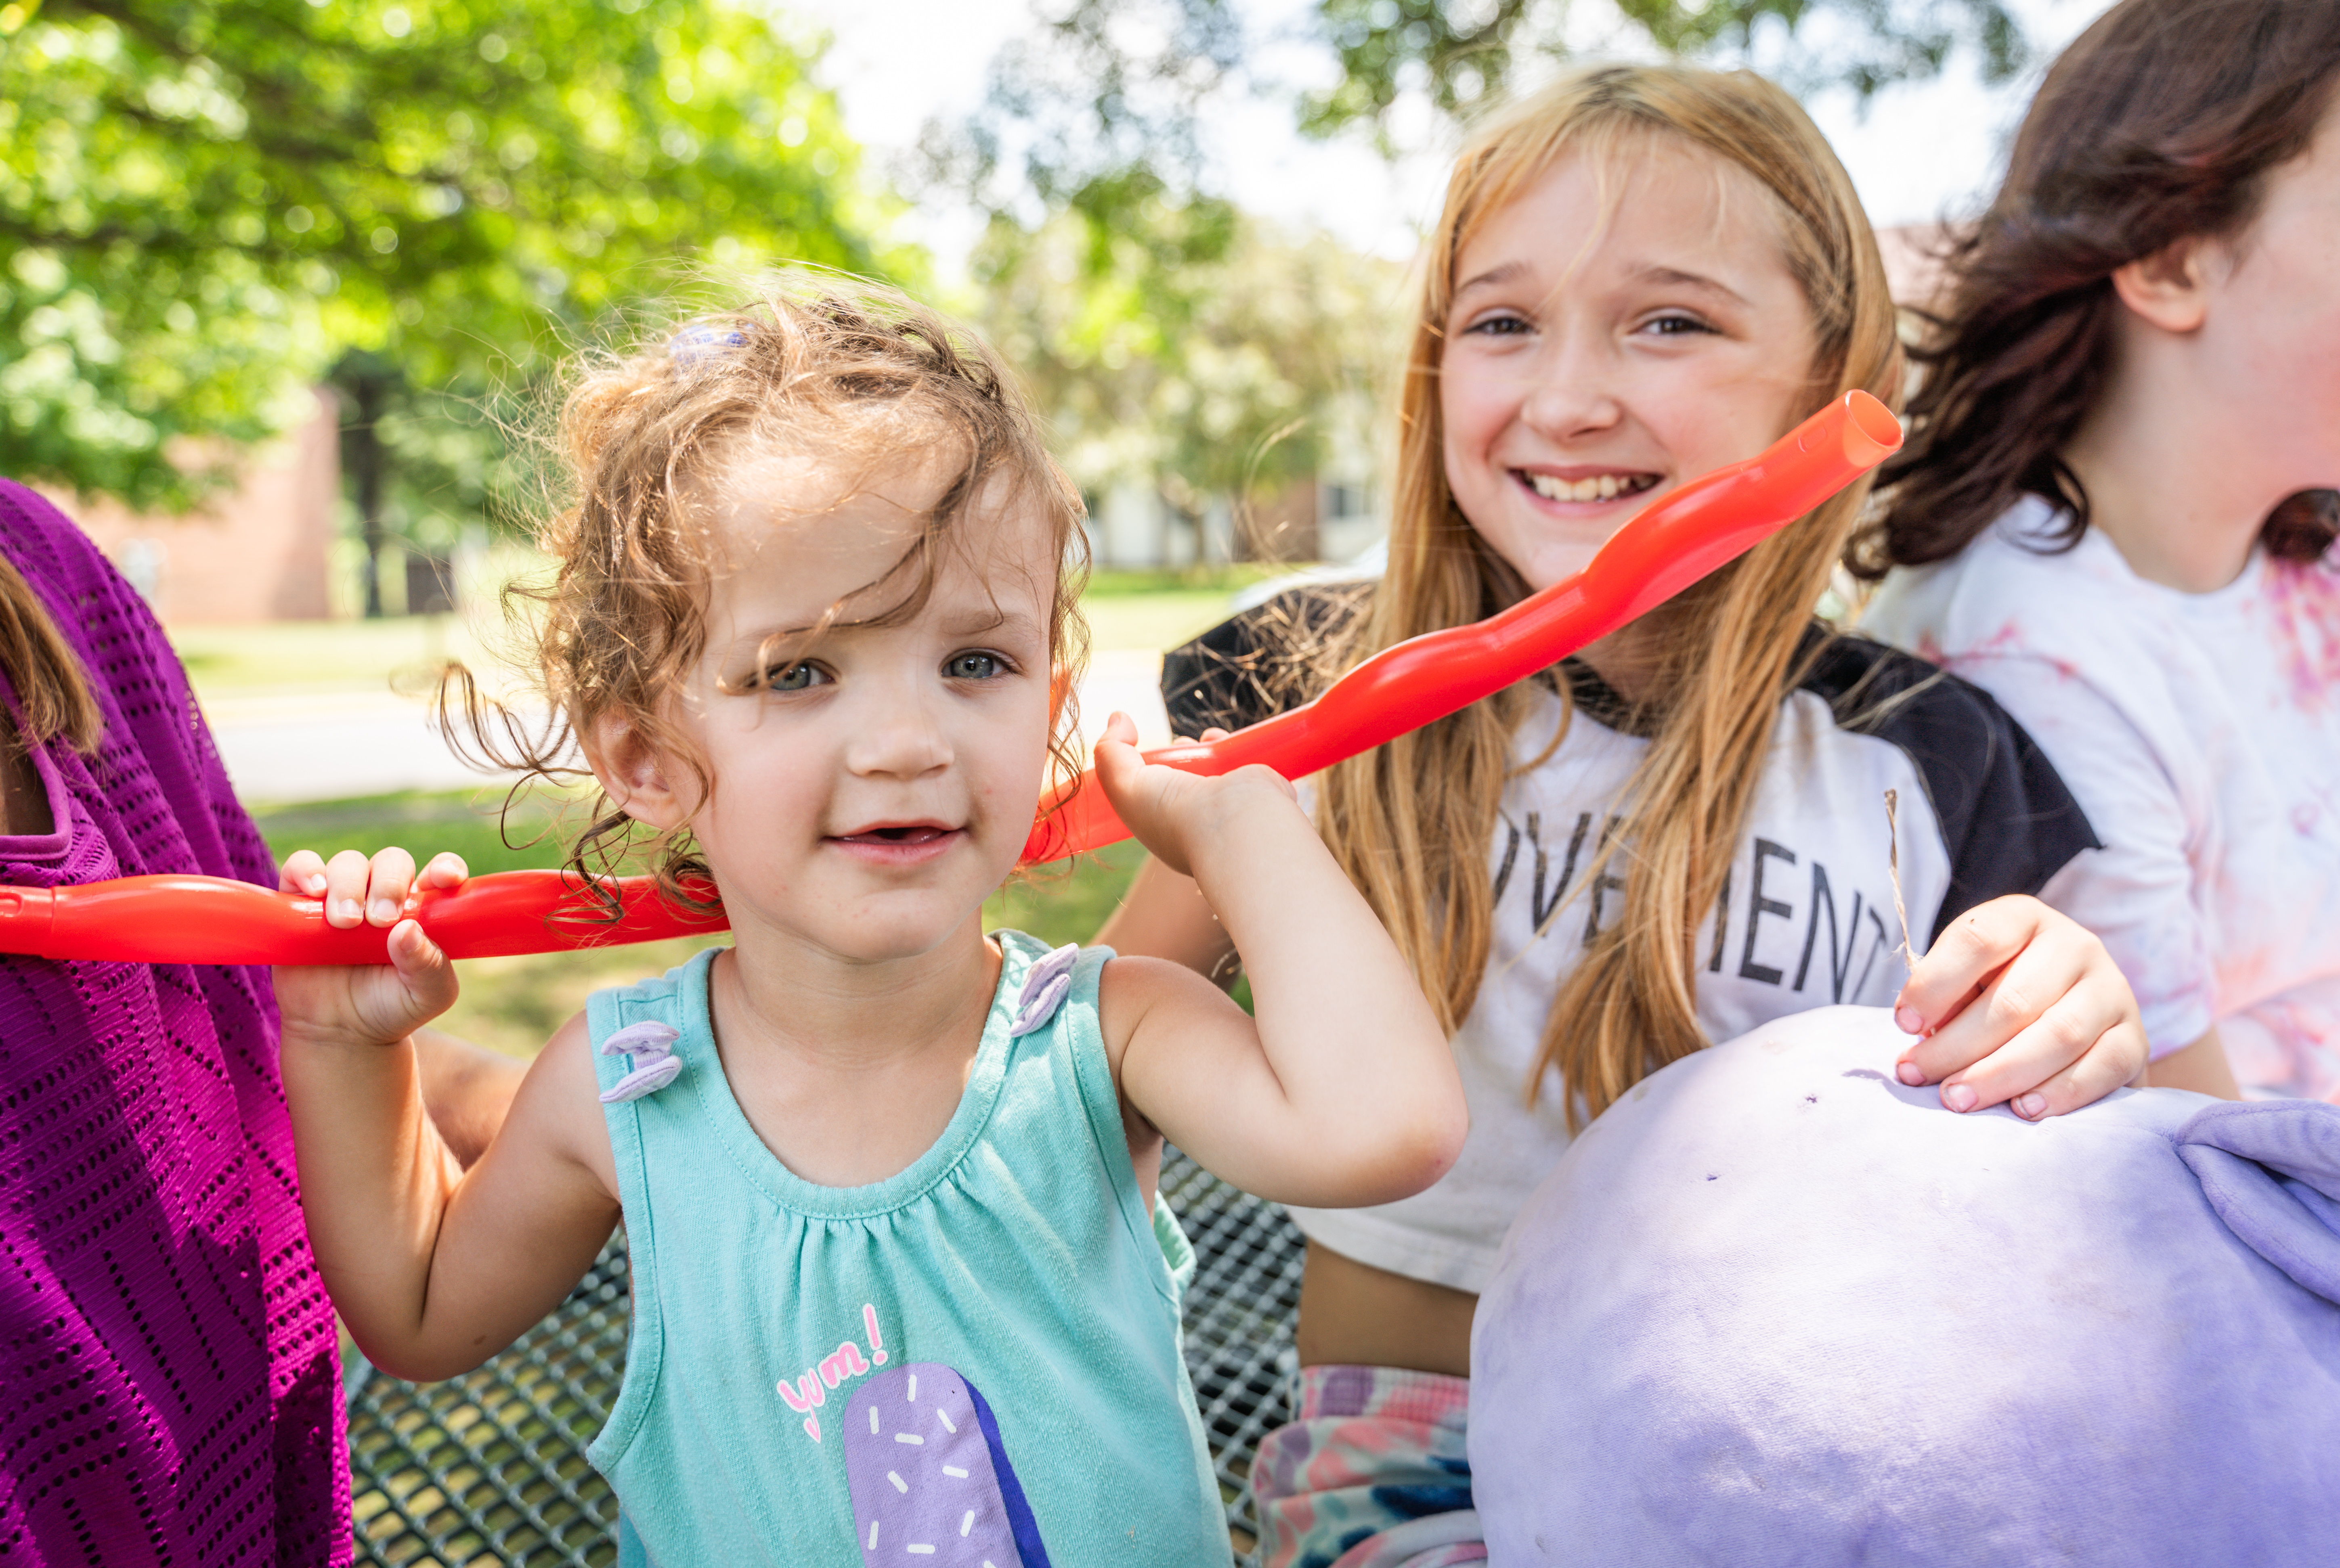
[1221, 377]
[1173, 339]
[1104, 98]
[1465, 53]
[205, 204]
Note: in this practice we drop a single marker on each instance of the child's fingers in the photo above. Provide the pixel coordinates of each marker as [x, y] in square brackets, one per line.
[446, 870]
[345, 889]
[2019, 997]
[1117, 759]
[2107, 1065]
[303, 873]
[425, 975]
[390, 876]
[1983, 940]
[2064, 1034]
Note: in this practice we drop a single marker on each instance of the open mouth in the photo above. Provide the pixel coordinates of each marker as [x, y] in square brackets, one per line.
[1606, 487]
[899, 844]
[903, 834]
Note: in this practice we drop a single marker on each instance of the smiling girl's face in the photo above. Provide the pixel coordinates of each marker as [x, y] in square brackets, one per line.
[1583, 378]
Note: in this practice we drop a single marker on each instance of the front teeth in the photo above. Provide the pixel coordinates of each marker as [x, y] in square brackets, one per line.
[1606, 487]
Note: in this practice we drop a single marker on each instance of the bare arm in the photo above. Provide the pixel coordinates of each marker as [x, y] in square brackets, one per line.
[1341, 1088]
[1165, 916]
[435, 1268]
[432, 1267]
[467, 1088]
[2201, 1067]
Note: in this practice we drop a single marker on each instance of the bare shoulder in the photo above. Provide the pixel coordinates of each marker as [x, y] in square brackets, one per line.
[559, 1103]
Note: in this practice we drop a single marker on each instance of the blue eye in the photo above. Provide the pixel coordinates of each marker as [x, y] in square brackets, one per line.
[975, 666]
[794, 677]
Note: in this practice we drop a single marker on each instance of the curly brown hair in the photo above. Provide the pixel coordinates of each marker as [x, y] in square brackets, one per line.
[2160, 122]
[852, 374]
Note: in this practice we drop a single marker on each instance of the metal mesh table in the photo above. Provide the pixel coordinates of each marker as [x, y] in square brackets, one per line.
[490, 1468]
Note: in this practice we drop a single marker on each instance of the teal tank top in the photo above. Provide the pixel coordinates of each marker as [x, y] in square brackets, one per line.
[976, 1361]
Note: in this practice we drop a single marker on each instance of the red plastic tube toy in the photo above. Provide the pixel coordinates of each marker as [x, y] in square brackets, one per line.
[1706, 524]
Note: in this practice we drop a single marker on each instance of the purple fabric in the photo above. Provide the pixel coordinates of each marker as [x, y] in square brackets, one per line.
[1774, 1309]
[2271, 1169]
[169, 1377]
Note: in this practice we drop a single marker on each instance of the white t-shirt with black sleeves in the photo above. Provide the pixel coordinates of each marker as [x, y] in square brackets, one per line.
[1805, 920]
[2202, 733]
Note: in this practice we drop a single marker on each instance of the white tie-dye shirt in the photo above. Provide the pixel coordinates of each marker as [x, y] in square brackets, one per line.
[2201, 733]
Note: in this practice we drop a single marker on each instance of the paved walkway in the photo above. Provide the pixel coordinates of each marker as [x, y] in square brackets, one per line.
[294, 748]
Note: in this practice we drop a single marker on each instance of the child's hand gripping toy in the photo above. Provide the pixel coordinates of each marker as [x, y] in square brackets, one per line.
[1699, 528]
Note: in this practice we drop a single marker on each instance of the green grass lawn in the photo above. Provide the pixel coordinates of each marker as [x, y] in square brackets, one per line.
[291, 656]
[514, 1004]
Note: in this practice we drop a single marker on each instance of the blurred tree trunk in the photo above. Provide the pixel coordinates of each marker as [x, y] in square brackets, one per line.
[368, 387]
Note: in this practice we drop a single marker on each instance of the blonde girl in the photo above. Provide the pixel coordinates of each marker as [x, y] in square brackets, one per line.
[903, 1287]
[1641, 274]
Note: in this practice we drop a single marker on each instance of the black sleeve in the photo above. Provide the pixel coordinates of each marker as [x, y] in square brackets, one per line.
[2007, 820]
[1244, 669]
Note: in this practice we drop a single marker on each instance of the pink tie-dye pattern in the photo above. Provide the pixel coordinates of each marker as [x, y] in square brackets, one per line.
[2303, 608]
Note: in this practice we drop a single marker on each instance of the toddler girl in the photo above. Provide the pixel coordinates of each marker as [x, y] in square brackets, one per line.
[1642, 274]
[903, 1287]
[2116, 509]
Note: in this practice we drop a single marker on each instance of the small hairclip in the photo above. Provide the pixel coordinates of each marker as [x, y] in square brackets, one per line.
[654, 1064]
[701, 339]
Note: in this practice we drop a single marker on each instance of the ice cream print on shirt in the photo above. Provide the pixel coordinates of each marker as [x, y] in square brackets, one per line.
[930, 1478]
[923, 1459]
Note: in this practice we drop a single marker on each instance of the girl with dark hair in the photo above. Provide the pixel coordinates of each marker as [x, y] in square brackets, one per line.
[2116, 511]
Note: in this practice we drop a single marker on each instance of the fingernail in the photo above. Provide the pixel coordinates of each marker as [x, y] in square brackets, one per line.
[1909, 1072]
[384, 910]
[1909, 1020]
[347, 910]
[1958, 1096]
[314, 884]
[2030, 1107]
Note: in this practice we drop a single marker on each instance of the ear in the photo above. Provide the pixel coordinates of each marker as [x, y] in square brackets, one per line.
[2170, 288]
[632, 773]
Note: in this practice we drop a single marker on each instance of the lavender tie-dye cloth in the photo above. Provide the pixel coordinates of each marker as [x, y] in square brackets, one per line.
[1776, 1309]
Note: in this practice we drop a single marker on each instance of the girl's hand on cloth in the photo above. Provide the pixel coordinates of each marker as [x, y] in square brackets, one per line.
[2018, 1004]
[373, 1003]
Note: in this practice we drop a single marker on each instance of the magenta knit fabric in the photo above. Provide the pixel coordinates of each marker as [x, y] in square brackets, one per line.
[168, 1379]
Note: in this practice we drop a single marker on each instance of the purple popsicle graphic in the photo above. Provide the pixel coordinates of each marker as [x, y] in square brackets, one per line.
[931, 1484]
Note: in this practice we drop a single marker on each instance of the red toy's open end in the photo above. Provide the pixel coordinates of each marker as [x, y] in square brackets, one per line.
[1871, 433]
